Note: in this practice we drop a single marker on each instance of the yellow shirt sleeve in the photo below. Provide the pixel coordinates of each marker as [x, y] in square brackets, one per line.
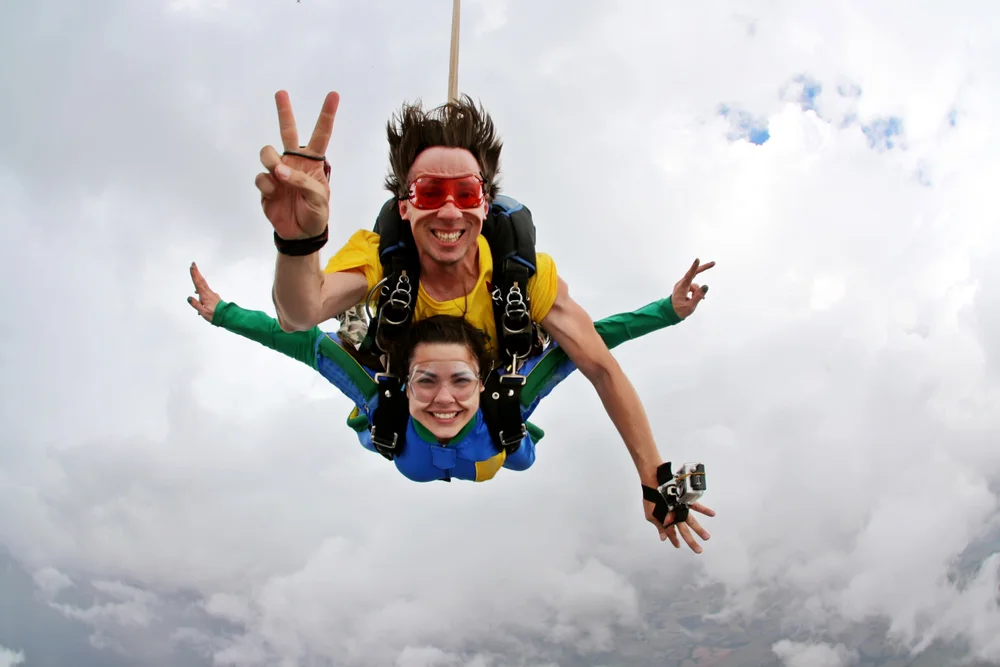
[360, 252]
[543, 286]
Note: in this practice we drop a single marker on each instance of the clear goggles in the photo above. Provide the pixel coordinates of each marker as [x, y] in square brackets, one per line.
[427, 379]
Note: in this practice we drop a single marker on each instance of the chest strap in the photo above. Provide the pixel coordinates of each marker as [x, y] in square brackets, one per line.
[501, 406]
[391, 416]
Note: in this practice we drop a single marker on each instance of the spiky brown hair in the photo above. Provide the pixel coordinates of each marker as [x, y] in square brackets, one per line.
[459, 124]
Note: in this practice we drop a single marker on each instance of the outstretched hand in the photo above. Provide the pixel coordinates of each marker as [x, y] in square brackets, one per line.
[207, 299]
[685, 527]
[687, 293]
[295, 190]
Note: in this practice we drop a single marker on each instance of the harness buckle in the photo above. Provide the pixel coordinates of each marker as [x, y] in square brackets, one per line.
[389, 386]
[511, 442]
[515, 378]
[384, 446]
[387, 382]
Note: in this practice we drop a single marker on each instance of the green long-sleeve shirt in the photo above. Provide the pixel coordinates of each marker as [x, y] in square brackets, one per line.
[311, 346]
[300, 345]
[304, 345]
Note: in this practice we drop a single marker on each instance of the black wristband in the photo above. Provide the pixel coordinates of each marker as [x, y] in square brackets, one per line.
[301, 247]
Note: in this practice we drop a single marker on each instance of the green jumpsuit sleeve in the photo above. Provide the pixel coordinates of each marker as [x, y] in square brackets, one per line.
[264, 329]
[623, 327]
[614, 330]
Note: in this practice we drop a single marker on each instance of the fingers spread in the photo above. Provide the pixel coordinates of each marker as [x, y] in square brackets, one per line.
[320, 140]
[697, 528]
[696, 268]
[670, 533]
[691, 273]
[689, 538]
[698, 507]
[286, 121]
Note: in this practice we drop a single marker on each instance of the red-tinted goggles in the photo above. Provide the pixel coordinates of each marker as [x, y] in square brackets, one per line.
[430, 192]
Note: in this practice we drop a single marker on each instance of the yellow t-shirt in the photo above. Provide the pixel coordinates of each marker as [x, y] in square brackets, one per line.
[361, 251]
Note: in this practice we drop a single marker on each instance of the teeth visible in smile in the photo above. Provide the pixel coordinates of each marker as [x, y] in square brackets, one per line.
[444, 415]
[448, 237]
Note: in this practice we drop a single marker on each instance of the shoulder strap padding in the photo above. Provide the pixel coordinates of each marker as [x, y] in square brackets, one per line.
[510, 231]
[394, 232]
[397, 253]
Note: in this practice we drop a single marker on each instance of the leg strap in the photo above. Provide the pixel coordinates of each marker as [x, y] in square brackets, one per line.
[390, 419]
[501, 407]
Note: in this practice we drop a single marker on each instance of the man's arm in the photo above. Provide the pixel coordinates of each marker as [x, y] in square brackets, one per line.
[570, 326]
[304, 295]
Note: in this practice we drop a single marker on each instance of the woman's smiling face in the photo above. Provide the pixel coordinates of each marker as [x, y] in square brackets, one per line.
[443, 387]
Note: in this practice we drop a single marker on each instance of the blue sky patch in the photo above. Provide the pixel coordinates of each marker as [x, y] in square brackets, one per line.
[884, 133]
[743, 126]
[803, 90]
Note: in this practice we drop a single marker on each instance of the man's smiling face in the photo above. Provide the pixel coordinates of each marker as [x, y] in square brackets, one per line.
[445, 235]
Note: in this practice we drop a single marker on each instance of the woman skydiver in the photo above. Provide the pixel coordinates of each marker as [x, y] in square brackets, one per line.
[445, 363]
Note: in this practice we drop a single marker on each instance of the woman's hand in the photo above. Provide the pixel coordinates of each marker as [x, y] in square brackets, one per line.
[207, 299]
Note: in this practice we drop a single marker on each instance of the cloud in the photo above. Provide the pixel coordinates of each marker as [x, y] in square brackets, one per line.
[9, 658]
[51, 581]
[176, 490]
[794, 654]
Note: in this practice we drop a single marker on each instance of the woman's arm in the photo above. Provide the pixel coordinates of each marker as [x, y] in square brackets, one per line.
[251, 324]
[320, 351]
[264, 329]
[554, 365]
[623, 327]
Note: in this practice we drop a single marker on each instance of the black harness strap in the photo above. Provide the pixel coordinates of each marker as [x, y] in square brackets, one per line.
[390, 417]
[510, 232]
[396, 300]
[401, 276]
[501, 405]
[662, 507]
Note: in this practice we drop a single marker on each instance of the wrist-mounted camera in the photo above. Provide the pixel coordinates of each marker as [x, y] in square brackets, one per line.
[675, 492]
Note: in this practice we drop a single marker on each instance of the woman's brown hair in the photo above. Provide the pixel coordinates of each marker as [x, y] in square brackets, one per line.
[442, 329]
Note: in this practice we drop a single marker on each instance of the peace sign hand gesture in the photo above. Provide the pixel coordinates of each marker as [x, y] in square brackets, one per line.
[688, 293]
[295, 190]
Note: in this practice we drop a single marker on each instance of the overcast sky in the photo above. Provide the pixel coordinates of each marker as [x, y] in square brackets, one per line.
[168, 489]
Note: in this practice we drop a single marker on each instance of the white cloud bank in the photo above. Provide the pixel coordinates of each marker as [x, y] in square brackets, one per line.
[841, 380]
